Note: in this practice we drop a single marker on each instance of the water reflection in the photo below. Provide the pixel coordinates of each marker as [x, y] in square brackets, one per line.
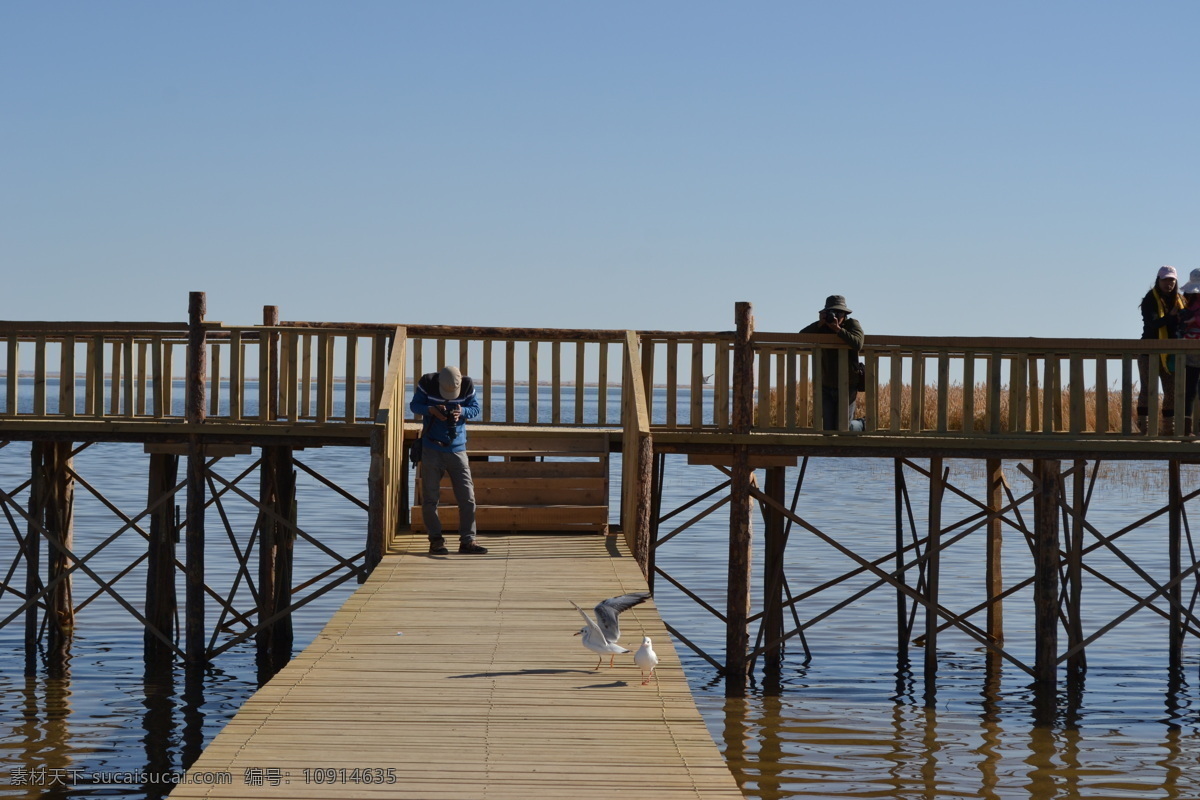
[158, 723]
[43, 735]
[796, 745]
[193, 714]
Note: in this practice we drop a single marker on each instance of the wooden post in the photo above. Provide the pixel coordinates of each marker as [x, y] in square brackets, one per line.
[995, 568]
[1045, 571]
[277, 492]
[1174, 555]
[773, 571]
[1076, 664]
[902, 632]
[33, 550]
[196, 391]
[160, 564]
[267, 550]
[377, 488]
[644, 494]
[270, 350]
[656, 483]
[933, 562]
[59, 522]
[285, 541]
[738, 599]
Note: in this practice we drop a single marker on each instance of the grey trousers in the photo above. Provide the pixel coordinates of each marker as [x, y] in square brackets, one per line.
[434, 464]
[829, 401]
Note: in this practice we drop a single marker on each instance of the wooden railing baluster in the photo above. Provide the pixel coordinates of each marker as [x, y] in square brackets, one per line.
[510, 381]
[602, 394]
[556, 382]
[533, 382]
[672, 382]
[580, 381]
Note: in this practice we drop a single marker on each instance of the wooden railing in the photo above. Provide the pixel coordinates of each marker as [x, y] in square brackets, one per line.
[530, 376]
[387, 471]
[970, 386]
[138, 372]
[688, 376]
[326, 373]
[120, 370]
[637, 451]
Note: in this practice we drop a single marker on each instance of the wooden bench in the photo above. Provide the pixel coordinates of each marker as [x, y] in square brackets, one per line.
[531, 483]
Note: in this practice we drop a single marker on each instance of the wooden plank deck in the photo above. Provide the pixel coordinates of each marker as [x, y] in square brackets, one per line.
[485, 695]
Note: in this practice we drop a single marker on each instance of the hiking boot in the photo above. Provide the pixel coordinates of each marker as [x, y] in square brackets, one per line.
[470, 548]
[437, 547]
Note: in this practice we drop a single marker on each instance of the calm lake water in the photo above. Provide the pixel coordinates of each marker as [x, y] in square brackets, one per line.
[850, 721]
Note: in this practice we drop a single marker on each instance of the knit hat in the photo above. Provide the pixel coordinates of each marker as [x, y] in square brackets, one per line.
[1167, 272]
[449, 381]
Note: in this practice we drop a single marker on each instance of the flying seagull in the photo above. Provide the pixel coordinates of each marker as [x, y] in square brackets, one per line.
[600, 636]
[646, 659]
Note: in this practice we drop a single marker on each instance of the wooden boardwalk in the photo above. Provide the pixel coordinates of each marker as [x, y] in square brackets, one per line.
[461, 676]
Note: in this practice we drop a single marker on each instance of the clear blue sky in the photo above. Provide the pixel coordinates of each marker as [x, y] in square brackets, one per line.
[952, 168]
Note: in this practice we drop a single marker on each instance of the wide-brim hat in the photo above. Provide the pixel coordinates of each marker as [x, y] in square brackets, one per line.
[1191, 287]
[449, 381]
[835, 302]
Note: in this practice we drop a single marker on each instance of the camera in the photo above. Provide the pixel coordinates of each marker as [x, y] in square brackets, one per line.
[830, 316]
[446, 410]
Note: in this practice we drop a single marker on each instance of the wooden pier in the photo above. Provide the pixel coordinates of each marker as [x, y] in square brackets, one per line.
[453, 678]
[733, 401]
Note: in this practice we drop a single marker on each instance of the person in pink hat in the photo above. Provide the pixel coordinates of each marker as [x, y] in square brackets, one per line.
[1160, 320]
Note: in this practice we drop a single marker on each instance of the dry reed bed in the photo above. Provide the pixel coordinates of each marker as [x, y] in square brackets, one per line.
[955, 408]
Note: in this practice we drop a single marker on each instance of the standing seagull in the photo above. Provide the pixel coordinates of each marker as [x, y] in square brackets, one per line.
[601, 636]
[646, 659]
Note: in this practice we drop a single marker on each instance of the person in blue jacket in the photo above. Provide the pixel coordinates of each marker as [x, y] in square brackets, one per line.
[446, 399]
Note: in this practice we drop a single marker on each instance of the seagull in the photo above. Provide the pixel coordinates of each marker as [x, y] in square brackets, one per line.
[646, 659]
[601, 635]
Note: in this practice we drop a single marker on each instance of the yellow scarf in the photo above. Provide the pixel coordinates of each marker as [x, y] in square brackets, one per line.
[1177, 302]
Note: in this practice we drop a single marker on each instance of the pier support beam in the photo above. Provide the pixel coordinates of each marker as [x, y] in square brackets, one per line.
[277, 491]
[656, 485]
[995, 567]
[1174, 556]
[197, 363]
[59, 522]
[933, 562]
[51, 513]
[1076, 661]
[1047, 474]
[773, 572]
[903, 634]
[33, 554]
[738, 601]
[160, 564]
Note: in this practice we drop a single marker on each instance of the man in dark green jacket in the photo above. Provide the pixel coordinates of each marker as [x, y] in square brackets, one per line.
[835, 319]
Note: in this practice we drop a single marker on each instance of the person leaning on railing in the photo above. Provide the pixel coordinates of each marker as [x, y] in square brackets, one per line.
[1160, 320]
[835, 318]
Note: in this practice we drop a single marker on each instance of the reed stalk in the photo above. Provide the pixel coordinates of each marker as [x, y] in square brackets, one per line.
[955, 418]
